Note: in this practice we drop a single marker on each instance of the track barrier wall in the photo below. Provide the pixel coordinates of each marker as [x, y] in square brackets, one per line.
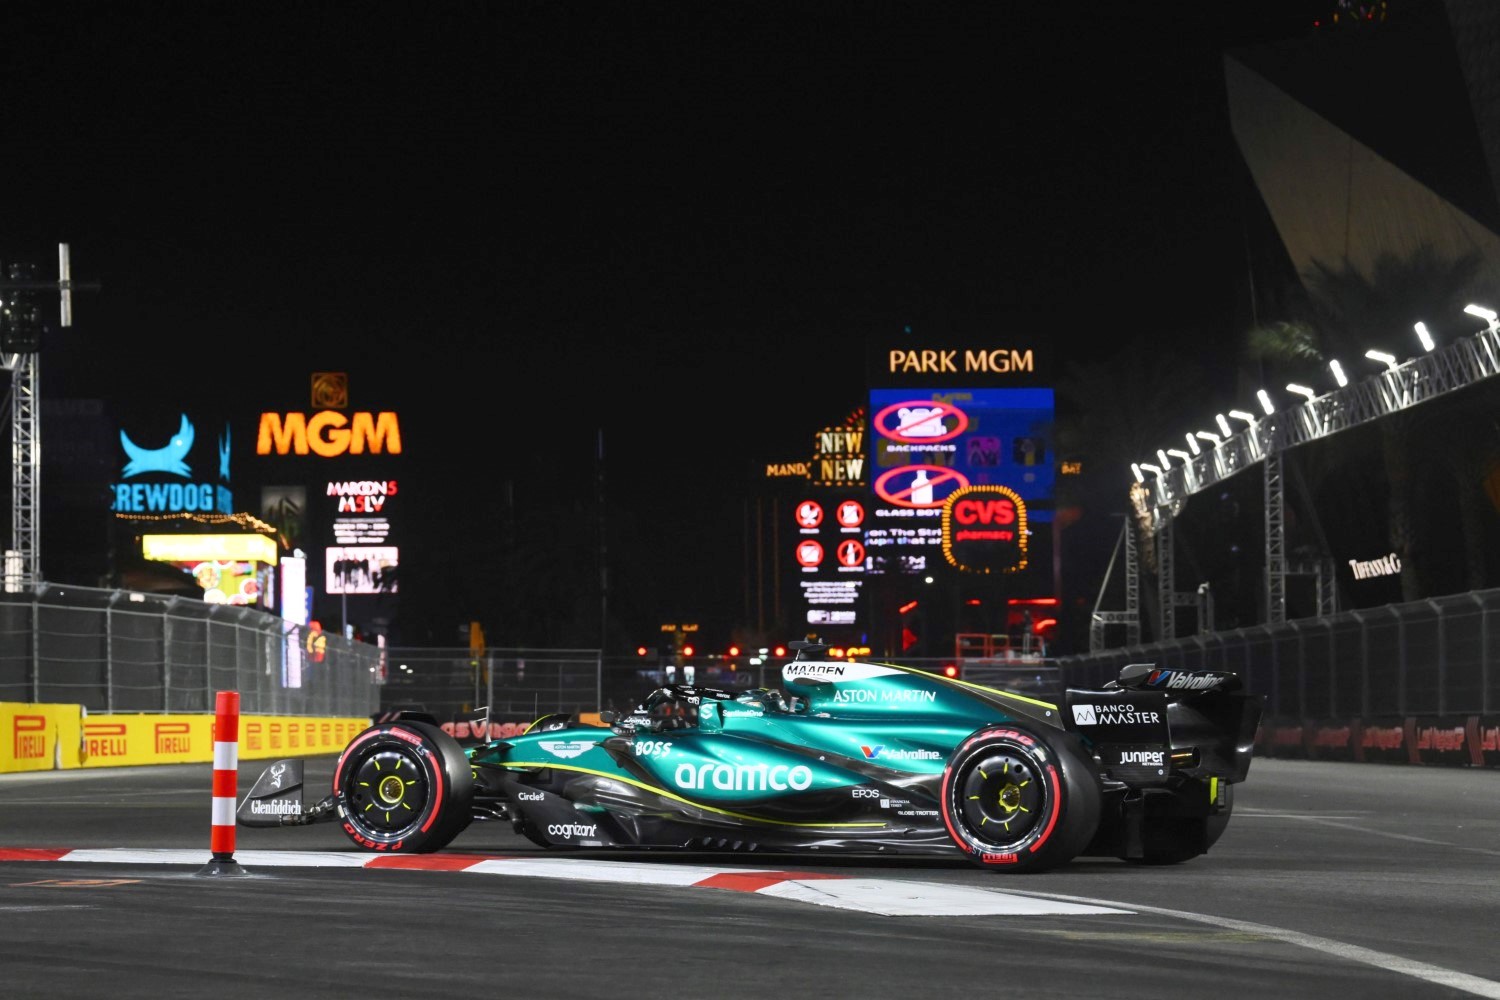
[36, 737]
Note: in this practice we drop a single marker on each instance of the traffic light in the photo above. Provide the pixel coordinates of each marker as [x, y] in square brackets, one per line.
[950, 670]
[734, 651]
[20, 312]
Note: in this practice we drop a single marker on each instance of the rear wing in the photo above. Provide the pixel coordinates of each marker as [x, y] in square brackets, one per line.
[1154, 721]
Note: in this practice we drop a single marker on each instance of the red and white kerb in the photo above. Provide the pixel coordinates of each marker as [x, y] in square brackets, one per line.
[226, 773]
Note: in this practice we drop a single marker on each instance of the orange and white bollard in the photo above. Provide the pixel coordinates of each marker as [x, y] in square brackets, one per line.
[226, 785]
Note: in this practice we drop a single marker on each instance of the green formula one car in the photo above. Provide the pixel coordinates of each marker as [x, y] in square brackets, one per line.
[852, 757]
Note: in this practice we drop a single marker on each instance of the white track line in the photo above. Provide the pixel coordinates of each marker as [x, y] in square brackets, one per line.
[1350, 952]
[887, 897]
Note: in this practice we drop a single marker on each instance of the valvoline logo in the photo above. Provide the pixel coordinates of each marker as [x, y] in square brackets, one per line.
[879, 752]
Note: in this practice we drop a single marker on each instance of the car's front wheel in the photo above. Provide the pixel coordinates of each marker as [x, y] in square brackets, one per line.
[1019, 800]
[403, 786]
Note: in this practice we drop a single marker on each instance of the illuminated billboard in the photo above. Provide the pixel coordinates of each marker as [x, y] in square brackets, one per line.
[360, 569]
[930, 450]
[171, 468]
[829, 551]
[231, 569]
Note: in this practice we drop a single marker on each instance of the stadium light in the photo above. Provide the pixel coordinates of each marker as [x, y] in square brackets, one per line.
[1423, 335]
[1389, 360]
[1193, 445]
[1338, 373]
[1161, 456]
[1205, 435]
[1265, 401]
[1223, 423]
[1179, 453]
[1151, 468]
[1488, 315]
[1248, 418]
[1301, 390]
[1135, 470]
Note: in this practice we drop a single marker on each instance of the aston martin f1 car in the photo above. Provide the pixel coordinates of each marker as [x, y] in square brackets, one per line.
[848, 757]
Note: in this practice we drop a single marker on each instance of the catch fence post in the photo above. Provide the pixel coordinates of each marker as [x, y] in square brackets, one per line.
[226, 785]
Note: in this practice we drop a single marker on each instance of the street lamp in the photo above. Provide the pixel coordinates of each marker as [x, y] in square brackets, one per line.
[1265, 401]
[1193, 444]
[1423, 335]
[1161, 456]
[1135, 470]
[1338, 373]
[1179, 453]
[1205, 435]
[1301, 390]
[1389, 360]
[1248, 418]
[1223, 423]
[1152, 468]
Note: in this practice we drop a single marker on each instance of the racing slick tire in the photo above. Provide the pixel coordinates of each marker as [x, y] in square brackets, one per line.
[403, 786]
[1173, 841]
[1019, 800]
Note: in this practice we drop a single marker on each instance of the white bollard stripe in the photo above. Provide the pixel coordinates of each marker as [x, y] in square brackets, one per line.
[223, 811]
[226, 756]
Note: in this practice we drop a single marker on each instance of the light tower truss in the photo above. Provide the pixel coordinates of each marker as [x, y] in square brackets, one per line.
[1400, 387]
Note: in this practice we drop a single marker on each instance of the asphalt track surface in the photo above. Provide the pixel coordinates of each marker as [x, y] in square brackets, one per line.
[1364, 880]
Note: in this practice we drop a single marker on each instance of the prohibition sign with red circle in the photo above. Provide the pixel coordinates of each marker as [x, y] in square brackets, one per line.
[937, 476]
[809, 513]
[851, 513]
[850, 553]
[809, 552]
[902, 432]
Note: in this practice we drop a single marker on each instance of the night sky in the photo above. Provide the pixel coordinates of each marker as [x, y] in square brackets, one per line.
[676, 226]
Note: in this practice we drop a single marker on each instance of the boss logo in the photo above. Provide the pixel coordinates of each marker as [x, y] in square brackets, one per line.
[653, 748]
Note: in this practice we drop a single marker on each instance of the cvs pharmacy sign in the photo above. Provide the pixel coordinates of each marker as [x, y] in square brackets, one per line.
[984, 529]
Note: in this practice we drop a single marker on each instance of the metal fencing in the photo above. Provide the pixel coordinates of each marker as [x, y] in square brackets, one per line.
[1430, 657]
[123, 651]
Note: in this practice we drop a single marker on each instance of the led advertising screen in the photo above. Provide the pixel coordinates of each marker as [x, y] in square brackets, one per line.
[974, 466]
[361, 569]
[830, 555]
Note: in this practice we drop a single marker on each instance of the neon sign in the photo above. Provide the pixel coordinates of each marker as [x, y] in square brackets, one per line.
[984, 529]
[328, 434]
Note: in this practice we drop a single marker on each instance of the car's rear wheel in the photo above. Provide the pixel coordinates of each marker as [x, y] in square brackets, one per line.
[403, 786]
[1019, 800]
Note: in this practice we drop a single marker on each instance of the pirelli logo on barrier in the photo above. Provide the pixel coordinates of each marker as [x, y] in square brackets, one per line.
[172, 738]
[29, 737]
[105, 739]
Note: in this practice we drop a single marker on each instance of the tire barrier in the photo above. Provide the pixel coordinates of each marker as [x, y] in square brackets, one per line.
[226, 785]
[1457, 740]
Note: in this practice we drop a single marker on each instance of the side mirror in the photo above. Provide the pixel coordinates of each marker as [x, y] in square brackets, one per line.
[609, 717]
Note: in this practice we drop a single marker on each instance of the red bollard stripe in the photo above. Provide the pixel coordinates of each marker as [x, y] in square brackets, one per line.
[226, 773]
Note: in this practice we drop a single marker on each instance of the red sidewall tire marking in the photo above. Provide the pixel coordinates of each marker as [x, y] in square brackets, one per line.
[1054, 785]
[423, 751]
